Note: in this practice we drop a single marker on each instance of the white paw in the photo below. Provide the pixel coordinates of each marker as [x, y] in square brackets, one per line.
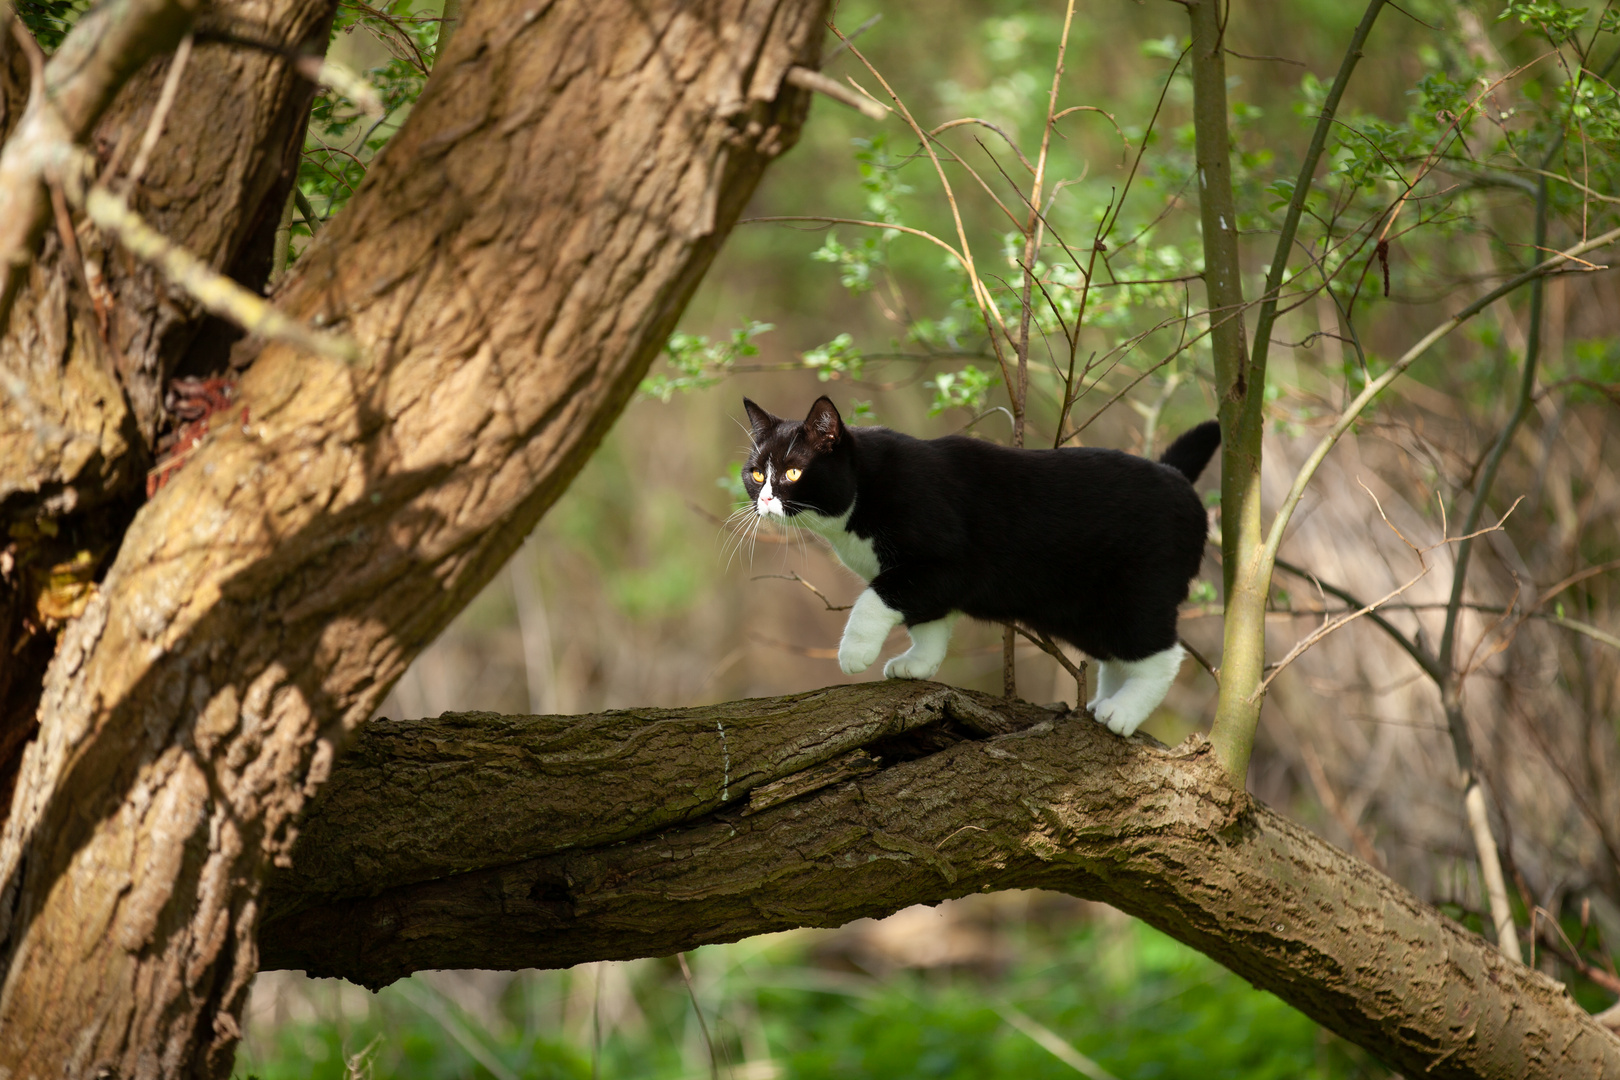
[855, 654]
[864, 634]
[907, 666]
[1120, 717]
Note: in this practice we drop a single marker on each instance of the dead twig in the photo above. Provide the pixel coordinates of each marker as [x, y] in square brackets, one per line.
[806, 79]
[213, 290]
[1050, 648]
[1331, 625]
[160, 114]
[819, 594]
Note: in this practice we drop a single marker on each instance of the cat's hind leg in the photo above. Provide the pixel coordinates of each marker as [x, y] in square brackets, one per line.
[1110, 677]
[929, 642]
[1146, 681]
[870, 621]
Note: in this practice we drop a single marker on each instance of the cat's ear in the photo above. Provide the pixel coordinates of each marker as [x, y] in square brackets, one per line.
[824, 426]
[763, 422]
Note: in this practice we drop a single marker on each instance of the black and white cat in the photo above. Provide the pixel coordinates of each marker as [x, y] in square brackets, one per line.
[1094, 547]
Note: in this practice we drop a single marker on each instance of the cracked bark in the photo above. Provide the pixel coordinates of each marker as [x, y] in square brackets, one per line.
[511, 267]
[554, 841]
[83, 406]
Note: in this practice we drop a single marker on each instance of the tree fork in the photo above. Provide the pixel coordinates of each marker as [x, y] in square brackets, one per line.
[959, 793]
[84, 402]
[510, 269]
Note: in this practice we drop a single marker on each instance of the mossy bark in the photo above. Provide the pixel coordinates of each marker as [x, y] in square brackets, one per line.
[640, 833]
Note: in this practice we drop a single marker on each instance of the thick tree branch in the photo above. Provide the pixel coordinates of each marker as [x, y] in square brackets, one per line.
[1055, 803]
[478, 782]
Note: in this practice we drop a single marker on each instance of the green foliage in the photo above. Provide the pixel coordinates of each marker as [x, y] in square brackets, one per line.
[965, 389]
[858, 263]
[49, 20]
[1141, 1005]
[699, 362]
[732, 483]
[1559, 23]
[838, 358]
[343, 138]
[1595, 370]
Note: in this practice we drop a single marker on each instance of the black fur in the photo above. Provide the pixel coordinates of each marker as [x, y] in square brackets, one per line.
[1094, 547]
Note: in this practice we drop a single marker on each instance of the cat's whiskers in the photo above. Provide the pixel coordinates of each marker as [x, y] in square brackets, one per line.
[745, 535]
[734, 531]
[798, 530]
[753, 538]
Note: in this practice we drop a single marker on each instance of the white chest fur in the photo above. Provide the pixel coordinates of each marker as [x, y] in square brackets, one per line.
[853, 551]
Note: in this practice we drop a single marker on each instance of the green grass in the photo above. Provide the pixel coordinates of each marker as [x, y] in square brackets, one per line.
[1130, 999]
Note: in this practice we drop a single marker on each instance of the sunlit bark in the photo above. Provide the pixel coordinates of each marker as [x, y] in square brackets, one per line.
[511, 267]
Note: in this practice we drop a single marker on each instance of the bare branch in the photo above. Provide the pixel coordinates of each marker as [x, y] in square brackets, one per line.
[108, 44]
[216, 292]
[819, 594]
[160, 113]
[805, 79]
[1351, 412]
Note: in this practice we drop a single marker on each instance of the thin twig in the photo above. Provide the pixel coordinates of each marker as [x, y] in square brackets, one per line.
[1041, 641]
[806, 79]
[1334, 624]
[988, 311]
[216, 292]
[160, 113]
[959, 122]
[1214, 672]
[686, 976]
[1351, 412]
[819, 594]
[853, 35]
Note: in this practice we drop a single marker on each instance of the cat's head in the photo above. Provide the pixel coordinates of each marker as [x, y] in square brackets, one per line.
[797, 466]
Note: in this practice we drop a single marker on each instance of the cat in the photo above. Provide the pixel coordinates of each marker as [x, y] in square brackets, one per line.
[1094, 547]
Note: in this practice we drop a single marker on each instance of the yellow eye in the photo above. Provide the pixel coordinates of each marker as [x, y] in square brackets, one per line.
[759, 477]
[794, 474]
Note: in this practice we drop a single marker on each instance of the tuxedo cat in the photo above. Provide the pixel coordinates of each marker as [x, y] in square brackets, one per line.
[1094, 547]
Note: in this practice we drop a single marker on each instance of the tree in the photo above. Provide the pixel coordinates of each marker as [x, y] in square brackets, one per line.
[435, 369]
[588, 162]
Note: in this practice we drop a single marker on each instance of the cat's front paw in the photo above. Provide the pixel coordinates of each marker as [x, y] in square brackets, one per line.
[1120, 717]
[864, 634]
[855, 656]
[908, 666]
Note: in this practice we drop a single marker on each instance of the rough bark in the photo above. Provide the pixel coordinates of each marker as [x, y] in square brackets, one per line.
[936, 811]
[83, 406]
[510, 268]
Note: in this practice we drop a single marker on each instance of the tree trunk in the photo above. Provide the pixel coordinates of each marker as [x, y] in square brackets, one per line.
[510, 268]
[84, 373]
[559, 840]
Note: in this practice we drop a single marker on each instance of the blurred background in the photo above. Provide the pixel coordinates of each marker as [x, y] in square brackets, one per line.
[632, 591]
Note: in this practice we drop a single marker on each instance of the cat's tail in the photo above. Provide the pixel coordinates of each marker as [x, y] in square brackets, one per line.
[1191, 452]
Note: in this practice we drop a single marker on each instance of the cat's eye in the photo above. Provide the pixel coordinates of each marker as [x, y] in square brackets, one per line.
[794, 474]
[759, 477]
